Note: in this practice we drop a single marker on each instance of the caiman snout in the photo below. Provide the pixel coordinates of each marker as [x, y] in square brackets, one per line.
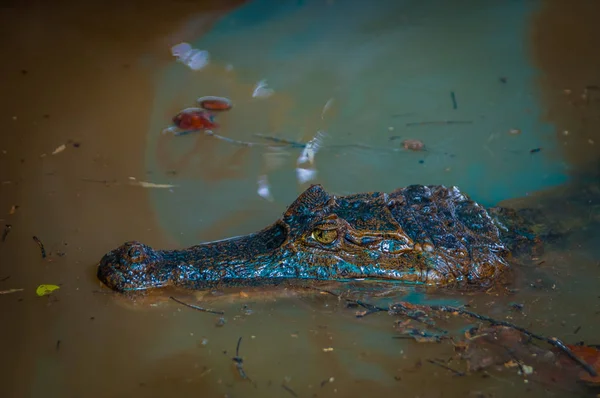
[133, 266]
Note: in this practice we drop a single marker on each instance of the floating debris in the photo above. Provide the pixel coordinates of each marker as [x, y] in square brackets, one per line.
[44, 290]
[535, 150]
[442, 365]
[514, 131]
[145, 184]
[328, 105]
[439, 122]
[264, 190]
[288, 389]
[41, 245]
[59, 149]
[6, 231]
[9, 291]
[197, 307]
[194, 119]
[453, 98]
[189, 56]
[261, 90]
[211, 103]
[239, 361]
[307, 158]
[13, 209]
[311, 148]
[413, 145]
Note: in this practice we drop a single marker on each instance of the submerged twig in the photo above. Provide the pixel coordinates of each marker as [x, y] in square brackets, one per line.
[239, 361]
[98, 181]
[197, 307]
[288, 389]
[7, 229]
[453, 98]
[440, 122]
[553, 341]
[41, 245]
[235, 142]
[293, 144]
[456, 372]
[9, 291]
[370, 309]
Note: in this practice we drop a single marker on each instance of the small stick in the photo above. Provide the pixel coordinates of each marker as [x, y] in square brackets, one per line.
[9, 291]
[553, 341]
[4, 278]
[453, 97]
[7, 229]
[98, 181]
[294, 144]
[403, 114]
[286, 388]
[456, 372]
[235, 142]
[41, 245]
[239, 361]
[57, 345]
[197, 307]
[439, 122]
[371, 309]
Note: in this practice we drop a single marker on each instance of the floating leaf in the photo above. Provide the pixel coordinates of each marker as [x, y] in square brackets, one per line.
[43, 290]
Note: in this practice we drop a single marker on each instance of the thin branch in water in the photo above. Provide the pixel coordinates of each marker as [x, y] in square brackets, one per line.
[239, 361]
[106, 182]
[235, 142]
[286, 388]
[456, 372]
[4, 278]
[553, 341]
[370, 309]
[41, 245]
[293, 144]
[439, 122]
[9, 291]
[7, 229]
[197, 307]
[453, 98]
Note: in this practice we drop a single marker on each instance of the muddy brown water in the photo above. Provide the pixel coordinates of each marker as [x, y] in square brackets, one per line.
[81, 74]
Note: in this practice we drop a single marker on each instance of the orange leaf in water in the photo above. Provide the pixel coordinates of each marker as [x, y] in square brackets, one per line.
[590, 355]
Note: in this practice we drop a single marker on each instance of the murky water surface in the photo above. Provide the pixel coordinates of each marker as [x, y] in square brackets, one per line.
[506, 106]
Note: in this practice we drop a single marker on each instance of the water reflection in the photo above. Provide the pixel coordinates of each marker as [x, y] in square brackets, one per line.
[454, 80]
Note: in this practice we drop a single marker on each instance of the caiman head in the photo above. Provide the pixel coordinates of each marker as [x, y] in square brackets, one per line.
[419, 234]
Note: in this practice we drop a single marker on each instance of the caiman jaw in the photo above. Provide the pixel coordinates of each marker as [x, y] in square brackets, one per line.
[133, 266]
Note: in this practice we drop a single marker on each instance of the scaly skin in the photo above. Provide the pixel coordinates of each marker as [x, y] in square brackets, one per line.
[420, 234]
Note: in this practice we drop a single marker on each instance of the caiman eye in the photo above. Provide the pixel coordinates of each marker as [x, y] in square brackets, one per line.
[325, 236]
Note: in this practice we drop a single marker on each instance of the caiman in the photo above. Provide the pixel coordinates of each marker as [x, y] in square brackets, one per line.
[431, 235]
